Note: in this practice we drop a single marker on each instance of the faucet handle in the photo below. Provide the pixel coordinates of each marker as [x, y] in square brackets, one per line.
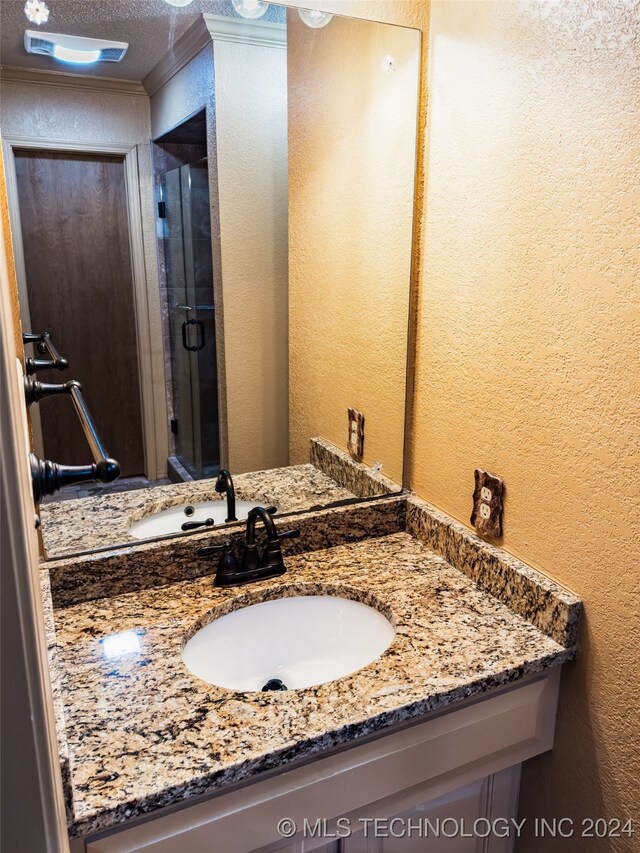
[228, 565]
[194, 525]
[289, 534]
[208, 550]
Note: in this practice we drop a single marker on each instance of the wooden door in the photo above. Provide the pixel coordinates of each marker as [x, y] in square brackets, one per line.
[73, 212]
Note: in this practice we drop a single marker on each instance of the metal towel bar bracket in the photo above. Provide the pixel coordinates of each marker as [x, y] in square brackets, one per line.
[35, 390]
[47, 477]
[45, 346]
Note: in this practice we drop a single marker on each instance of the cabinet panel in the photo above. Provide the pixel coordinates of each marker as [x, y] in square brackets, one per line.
[451, 821]
[408, 832]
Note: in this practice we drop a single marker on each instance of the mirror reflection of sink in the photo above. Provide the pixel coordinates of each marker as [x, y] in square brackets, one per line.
[171, 520]
[288, 643]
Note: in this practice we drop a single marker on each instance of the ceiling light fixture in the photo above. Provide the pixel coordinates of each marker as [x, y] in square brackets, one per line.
[80, 57]
[76, 49]
[251, 9]
[315, 19]
[36, 11]
[178, 2]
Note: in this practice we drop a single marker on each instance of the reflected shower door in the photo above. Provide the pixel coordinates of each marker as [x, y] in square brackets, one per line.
[189, 272]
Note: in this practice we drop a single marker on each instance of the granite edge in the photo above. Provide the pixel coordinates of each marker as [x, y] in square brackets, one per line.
[300, 751]
[347, 472]
[553, 609]
[56, 683]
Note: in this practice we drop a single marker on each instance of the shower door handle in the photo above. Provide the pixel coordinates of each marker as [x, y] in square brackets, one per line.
[200, 326]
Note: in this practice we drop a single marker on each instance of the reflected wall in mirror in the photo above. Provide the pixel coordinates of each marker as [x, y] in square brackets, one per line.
[217, 233]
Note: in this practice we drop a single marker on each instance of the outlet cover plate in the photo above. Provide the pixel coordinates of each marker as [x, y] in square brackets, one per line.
[355, 439]
[486, 516]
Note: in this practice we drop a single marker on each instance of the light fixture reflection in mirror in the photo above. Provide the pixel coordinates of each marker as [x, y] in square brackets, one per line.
[388, 64]
[250, 8]
[36, 11]
[315, 19]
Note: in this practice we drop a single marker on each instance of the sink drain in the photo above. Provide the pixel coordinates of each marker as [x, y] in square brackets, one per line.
[274, 684]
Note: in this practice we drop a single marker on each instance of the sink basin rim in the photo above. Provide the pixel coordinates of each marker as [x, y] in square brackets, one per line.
[290, 590]
[383, 638]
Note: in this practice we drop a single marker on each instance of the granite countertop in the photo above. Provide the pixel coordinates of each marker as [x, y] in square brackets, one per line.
[70, 527]
[142, 732]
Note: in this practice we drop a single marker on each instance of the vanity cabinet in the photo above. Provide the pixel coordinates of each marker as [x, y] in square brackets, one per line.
[458, 822]
[450, 820]
[460, 764]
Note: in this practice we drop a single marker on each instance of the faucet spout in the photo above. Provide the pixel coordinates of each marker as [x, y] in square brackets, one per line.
[253, 566]
[224, 484]
[259, 512]
[271, 561]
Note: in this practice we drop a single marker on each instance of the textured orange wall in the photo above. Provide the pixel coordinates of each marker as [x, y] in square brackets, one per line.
[528, 343]
[528, 337]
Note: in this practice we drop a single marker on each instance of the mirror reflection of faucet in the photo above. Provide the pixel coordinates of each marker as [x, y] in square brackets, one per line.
[210, 522]
[224, 484]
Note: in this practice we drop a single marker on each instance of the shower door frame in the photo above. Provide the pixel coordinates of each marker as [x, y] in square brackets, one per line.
[153, 440]
[197, 462]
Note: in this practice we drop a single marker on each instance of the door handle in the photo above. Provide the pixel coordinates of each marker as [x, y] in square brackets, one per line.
[200, 326]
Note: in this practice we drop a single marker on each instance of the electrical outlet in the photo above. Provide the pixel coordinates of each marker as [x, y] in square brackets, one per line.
[486, 516]
[355, 439]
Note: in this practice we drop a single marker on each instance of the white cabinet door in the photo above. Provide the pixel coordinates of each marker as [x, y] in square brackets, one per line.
[302, 846]
[471, 819]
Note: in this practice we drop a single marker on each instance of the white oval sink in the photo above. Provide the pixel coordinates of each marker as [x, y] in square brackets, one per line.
[303, 641]
[171, 520]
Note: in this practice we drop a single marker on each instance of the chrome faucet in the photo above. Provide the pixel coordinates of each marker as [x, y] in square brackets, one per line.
[253, 566]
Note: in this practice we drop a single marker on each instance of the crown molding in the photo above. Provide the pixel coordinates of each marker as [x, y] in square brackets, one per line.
[183, 51]
[64, 80]
[204, 31]
[263, 33]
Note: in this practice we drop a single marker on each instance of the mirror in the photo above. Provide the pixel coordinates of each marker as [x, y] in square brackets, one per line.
[216, 231]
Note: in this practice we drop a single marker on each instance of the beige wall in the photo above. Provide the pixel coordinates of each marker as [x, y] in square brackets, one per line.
[244, 89]
[63, 113]
[350, 232]
[251, 135]
[527, 340]
[184, 94]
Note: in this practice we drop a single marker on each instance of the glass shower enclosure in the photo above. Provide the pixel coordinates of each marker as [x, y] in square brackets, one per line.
[185, 209]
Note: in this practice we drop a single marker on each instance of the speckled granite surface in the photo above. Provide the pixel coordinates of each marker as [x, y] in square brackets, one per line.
[71, 527]
[165, 561]
[142, 732]
[532, 595]
[56, 680]
[340, 467]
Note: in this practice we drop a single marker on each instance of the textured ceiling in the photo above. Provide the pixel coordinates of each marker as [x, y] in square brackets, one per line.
[150, 27]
